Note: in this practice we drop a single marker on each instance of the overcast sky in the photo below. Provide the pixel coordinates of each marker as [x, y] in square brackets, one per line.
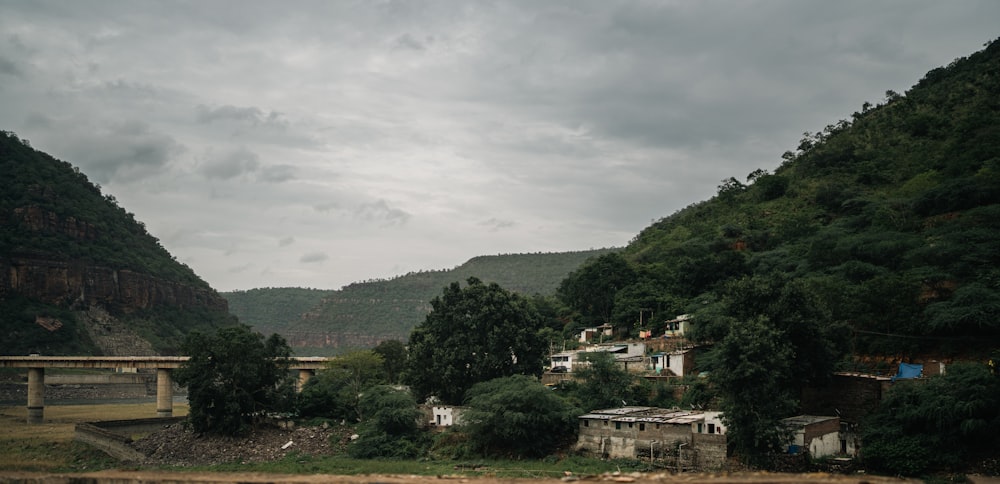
[314, 144]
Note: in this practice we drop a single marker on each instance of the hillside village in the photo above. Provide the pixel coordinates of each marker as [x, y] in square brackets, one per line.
[695, 438]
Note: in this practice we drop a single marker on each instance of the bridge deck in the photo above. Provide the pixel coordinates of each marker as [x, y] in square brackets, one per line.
[151, 362]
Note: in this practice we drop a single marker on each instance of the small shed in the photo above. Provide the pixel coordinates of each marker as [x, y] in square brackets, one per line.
[677, 327]
[818, 435]
[446, 415]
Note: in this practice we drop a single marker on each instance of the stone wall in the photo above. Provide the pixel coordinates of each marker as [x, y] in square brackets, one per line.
[710, 451]
[113, 437]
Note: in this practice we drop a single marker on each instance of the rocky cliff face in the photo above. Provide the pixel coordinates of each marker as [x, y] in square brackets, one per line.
[80, 285]
[75, 284]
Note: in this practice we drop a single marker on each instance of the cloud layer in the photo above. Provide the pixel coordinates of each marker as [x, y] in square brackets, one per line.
[316, 143]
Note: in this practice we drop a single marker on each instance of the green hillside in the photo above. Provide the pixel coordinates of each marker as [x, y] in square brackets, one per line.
[365, 312]
[66, 248]
[272, 309]
[881, 231]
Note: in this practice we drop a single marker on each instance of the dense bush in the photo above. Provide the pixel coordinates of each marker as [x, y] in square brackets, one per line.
[517, 416]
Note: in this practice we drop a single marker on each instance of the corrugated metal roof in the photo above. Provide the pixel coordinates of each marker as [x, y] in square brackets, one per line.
[646, 415]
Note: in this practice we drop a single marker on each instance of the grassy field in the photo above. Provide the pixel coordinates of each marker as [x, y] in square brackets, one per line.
[506, 469]
[49, 446]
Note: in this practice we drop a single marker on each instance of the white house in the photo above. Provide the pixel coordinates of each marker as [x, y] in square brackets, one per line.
[677, 327]
[818, 435]
[711, 424]
[563, 359]
[598, 333]
[446, 416]
[678, 362]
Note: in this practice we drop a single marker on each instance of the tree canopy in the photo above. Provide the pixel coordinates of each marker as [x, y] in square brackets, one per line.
[935, 425]
[517, 416]
[234, 377]
[473, 334]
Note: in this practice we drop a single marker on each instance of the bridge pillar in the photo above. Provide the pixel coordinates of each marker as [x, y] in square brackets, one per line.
[164, 393]
[304, 376]
[36, 395]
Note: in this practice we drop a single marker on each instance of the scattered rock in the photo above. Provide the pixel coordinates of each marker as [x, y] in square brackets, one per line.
[177, 445]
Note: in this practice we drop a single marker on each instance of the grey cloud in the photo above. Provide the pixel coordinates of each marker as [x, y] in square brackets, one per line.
[231, 165]
[8, 67]
[240, 268]
[313, 258]
[278, 173]
[286, 241]
[495, 224]
[381, 211]
[326, 207]
[249, 115]
[37, 121]
[123, 151]
[408, 41]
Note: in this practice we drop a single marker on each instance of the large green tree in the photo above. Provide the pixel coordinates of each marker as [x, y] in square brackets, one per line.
[754, 379]
[517, 416]
[234, 377]
[473, 334]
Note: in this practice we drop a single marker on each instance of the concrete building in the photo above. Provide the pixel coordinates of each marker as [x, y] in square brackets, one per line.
[677, 362]
[597, 333]
[630, 355]
[677, 327]
[655, 433]
[818, 435]
[446, 415]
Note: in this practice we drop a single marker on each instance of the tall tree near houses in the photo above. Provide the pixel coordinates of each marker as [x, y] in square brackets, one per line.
[591, 290]
[473, 334]
[754, 379]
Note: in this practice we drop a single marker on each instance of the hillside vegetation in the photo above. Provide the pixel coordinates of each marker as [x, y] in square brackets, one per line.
[881, 231]
[364, 313]
[66, 249]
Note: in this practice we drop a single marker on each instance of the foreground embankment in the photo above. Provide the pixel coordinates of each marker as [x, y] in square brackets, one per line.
[146, 477]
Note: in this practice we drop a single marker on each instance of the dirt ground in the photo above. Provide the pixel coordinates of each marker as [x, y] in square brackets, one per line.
[127, 477]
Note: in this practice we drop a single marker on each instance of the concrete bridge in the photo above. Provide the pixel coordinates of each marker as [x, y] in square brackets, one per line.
[163, 365]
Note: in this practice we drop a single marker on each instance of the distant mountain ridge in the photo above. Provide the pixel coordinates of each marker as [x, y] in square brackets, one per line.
[363, 314]
[70, 254]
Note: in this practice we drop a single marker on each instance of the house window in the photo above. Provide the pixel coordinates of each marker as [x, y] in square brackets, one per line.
[642, 426]
[699, 428]
[657, 426]
[586, 423]
[711, 428]
[630, 425]
[605, 423]
[618, 425]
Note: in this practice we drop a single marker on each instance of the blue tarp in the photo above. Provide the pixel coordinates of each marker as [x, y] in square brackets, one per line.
[908, 371]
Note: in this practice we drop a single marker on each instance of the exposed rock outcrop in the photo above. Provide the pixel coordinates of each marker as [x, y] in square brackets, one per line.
[79, 285]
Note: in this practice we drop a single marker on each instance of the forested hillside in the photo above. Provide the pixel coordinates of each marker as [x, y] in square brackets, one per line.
[77, 269]
[879, 234]
[273, 309]
[365, 313]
